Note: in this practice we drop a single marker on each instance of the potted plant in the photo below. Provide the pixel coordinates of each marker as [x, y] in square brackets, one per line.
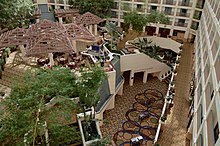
[172, 84]
[163, 118]
[175, 72]
[89, 85]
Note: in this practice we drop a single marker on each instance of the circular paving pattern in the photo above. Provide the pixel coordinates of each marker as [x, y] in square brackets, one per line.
[142, 119]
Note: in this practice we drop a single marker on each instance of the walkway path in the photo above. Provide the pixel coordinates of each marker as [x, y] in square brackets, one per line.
[174, 131]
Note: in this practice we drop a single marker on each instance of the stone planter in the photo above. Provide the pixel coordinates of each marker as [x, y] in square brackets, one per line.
[94, 129]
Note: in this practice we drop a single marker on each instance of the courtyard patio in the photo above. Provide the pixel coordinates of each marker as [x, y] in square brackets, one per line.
[127, 109]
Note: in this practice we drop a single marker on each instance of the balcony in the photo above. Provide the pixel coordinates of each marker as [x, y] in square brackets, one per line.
[168, 2]
[199, 5]
[51, 1]
[180, 24]
[140, 9]
[154, 1]
[195, 27]
[187, 4]
[60, 2]
[168, 12]
[197, 17]
[183, 14]
[140, 1]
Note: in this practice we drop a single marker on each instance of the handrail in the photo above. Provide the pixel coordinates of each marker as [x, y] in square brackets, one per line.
[165, 104]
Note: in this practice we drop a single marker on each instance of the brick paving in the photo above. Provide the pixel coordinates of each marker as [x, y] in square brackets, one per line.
[114, 118]
[174, 131]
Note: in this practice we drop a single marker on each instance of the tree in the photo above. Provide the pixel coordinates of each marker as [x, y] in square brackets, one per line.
[157, 18]
[101, 8]
[113, 30]
[39, 106]
[89, 85]
[135, 20]
[15, 13]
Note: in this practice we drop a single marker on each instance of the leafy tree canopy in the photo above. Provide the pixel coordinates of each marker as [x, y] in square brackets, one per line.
[15, 13]
[136, 20]
[43, 98]
[101, 8]
[157, 17]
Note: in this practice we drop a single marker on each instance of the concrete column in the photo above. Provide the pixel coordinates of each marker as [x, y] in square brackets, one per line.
[95, 27]
[37, 20]
[157, 30]
[74, 45]
[51, 63]
[171, 32]
[131, 81]
[60, 20]
[145, 77]
[120, 92]
[90, 29]
[144, 27]
[23, 53]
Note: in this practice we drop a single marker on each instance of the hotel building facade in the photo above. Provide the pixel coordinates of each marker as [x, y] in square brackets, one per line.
[205, 112]
[184, 15]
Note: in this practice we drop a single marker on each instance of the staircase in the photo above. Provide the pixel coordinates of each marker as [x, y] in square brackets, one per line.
[11, 75]
[130, 36]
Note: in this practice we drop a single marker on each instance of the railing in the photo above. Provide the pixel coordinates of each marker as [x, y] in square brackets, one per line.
[60, 2]
[51, 1]
[195, 27]
[140, 9]
[197, 17]
[199, 5]
[140, 1]
[169, 2]
[154, 1]
[165, 105]
[185, 4]
[180, 24]
[168, 12]
[183, 14]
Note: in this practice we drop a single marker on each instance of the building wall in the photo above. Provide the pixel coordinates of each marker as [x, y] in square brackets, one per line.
[206, 118]
[53, 4]
[184, 14]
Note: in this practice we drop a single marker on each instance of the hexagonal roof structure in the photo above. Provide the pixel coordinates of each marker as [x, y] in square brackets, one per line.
[75, 31]
[88, 19]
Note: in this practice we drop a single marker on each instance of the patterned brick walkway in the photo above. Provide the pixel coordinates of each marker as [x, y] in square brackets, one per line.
[113, 119]
[174, 133]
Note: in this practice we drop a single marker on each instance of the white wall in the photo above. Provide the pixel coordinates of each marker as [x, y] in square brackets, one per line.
[142, 62]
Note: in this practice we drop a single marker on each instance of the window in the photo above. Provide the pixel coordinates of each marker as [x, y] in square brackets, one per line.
[216, 132]
[201, 114]
[168, 10]
[183, 10]
[153, 8]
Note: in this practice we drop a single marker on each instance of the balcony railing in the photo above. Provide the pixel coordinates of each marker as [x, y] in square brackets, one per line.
[154, 1]
[180, 24]
[183, 14]
[197, 17]
[188, 4]
[195, 27]
[140, 1]
[60, 2]
[140, 9]
[168, 2]
[51, 1]
[151, 10]
[199, 5]
[168, 12]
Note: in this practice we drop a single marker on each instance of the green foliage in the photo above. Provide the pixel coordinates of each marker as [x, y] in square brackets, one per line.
[101, 8]
[27, 108]
[157, 17]
[136, 20]
[15, 13]
[89, 86]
